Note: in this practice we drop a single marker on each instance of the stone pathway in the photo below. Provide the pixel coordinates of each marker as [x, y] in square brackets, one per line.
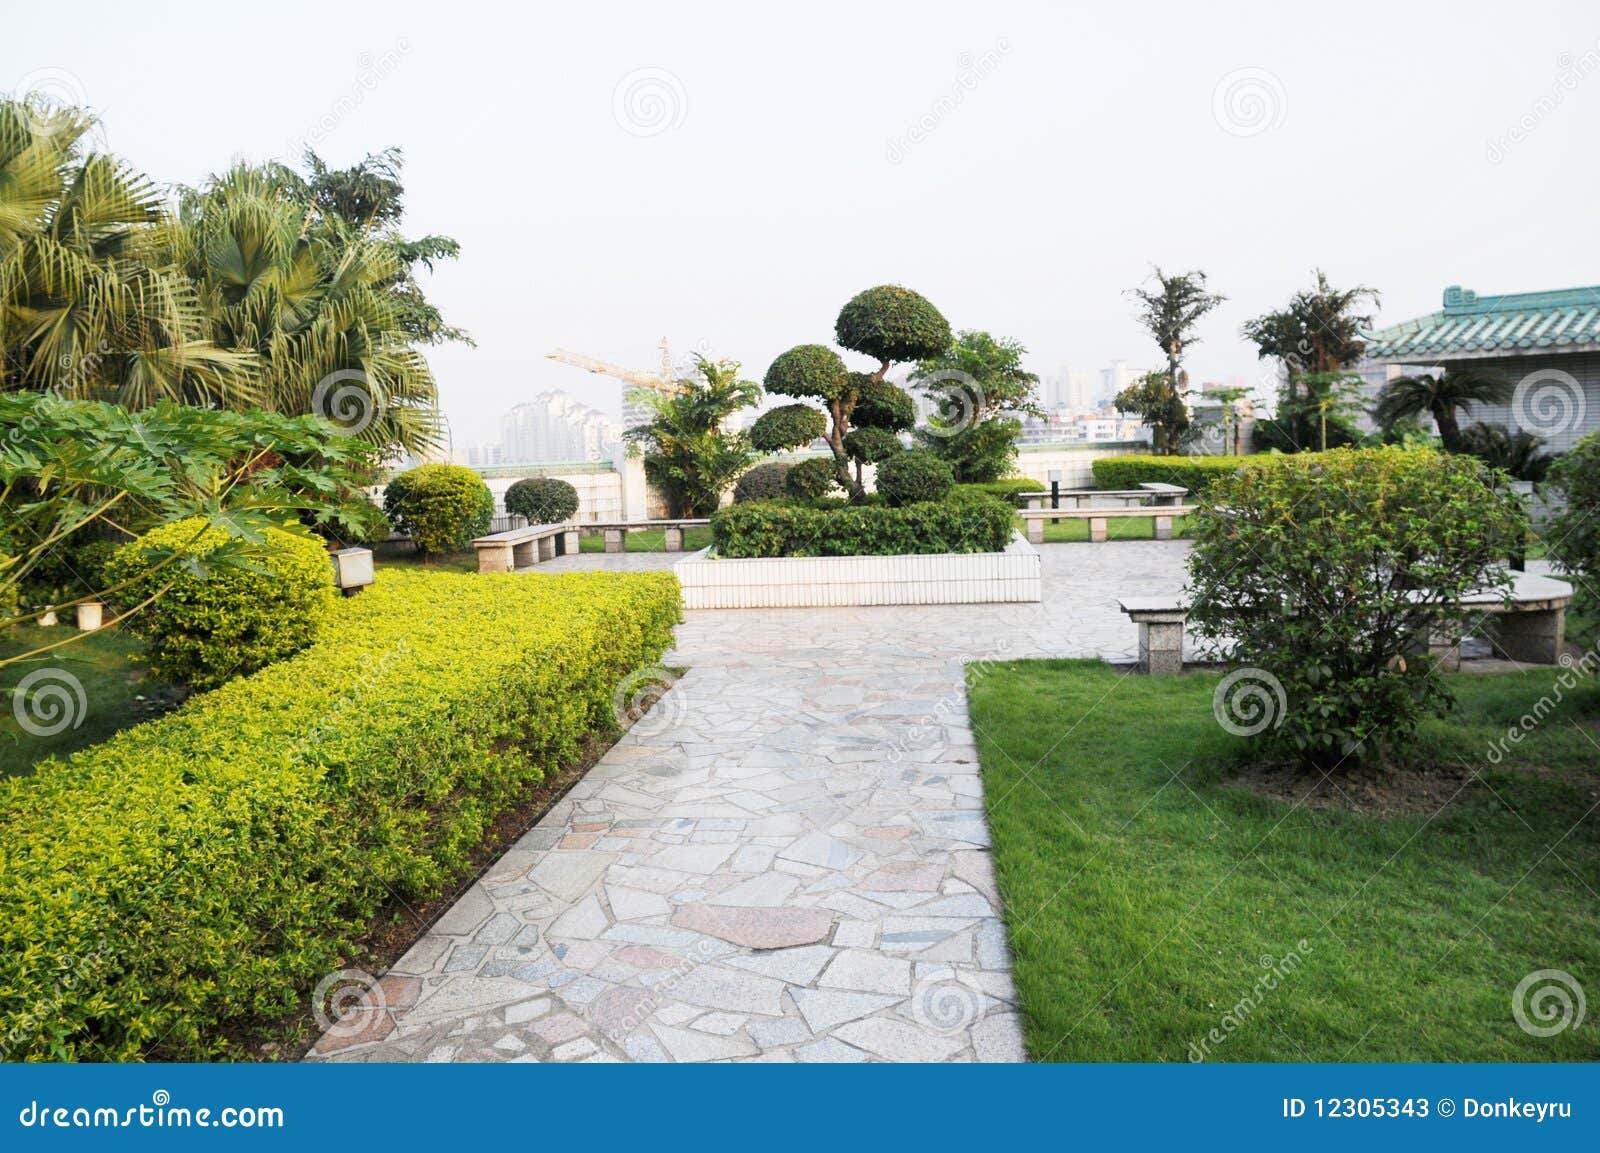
[786, 859]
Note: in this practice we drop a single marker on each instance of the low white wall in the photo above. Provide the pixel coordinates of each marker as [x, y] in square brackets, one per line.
[807, 582]
[1071, 464]
[599, 489]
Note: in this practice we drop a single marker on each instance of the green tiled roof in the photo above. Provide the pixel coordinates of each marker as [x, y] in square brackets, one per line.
[1520, 324]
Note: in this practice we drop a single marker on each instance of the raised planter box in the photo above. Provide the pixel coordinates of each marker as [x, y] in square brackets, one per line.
[807, 582]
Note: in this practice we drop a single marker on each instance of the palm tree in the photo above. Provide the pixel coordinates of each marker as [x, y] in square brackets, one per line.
[1440, 396]
[90, 305]
[689, 456]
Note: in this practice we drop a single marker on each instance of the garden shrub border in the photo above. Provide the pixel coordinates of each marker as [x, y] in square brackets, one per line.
[1195, 473]
[267, 822]
[967, 523]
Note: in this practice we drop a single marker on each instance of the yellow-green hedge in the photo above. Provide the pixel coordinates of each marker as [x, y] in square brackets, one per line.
[202, 871]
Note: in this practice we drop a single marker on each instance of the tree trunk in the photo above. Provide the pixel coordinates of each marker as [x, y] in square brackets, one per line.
[1444, 415]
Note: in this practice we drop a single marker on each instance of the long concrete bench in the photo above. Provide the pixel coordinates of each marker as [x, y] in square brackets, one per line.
[1161, 517]
[1149, 492]
[1529, 626]
[524, 547]
[617, 531]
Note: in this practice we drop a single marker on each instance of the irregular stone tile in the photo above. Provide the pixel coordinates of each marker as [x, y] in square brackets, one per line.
[730, 989]
[796, 966]
[867, 972]
[756, 928]
[825, 1008]
[720, 1024]
[620, 1011]
[692, 858]
[585, 920]
[770, 889]
[905, 876]
[688, 1045]
[636, 904]
[570, 875]
[998, 1037]
[896, 1040]
[830, 1050]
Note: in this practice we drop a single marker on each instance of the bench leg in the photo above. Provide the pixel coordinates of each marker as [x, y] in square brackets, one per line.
[569, 543]
[1163, 527]
[616, 540]
[674, 537]
[547, 547]
[523, 551]
[494, 558]
[1442, 645]
[1035, 531]
[1097, 529]
[1534, 638]
[1161, 648]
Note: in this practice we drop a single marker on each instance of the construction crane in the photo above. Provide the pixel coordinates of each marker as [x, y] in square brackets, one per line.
[659, 381]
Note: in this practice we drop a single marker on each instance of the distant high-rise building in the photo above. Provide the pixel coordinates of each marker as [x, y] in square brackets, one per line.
[555, 427]
[1116, 377]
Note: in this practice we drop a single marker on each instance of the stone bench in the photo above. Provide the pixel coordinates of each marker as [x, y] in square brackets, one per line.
[1530, 626]
[1149, 492]
[1161, 517]
[524, 547]
[617, 531]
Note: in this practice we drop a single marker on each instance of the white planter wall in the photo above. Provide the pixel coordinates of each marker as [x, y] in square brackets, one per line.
[808, 582]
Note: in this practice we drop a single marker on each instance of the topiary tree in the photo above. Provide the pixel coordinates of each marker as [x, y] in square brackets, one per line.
[763, 482]
[890, 324]
[912, 476]
[442, 507]
[1325, 576]
[210, 620]
[542, 500]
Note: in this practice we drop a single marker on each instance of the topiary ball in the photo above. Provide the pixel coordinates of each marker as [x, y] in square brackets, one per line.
[880, 404]
[787, 426]
[912, 476]
[221, 611]
[442, 507]
[811, 479]
[542, 500]
[763, 482]
[807, 370]
[891, 323]
[871, 445]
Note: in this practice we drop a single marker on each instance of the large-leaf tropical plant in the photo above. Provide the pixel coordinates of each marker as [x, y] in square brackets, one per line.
[1441, 395]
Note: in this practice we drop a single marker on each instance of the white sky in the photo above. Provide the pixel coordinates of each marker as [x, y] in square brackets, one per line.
[1090, 147]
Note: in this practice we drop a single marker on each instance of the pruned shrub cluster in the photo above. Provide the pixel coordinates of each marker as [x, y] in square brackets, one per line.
[913, 476]
[1195, 473]
[763, 482]
[441, 507]
[969, 524]
[542, 500]
[214, 612]
[168, 890]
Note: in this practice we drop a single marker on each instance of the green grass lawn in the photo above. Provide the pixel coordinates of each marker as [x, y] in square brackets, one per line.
[108, 666]
[648, 540]
[404, 555]
[1147, 894]
[1117, 528]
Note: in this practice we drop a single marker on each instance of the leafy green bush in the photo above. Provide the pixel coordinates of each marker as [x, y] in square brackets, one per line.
[787, 426]
[973, 524]
[212, 620]
[763, 482]
[913, 476]
[1195, 473]
[892, 323]
[1322, 578]
[810, 479]
[1011, 491]
[872, 445]
[1574, 531]
[442, 507]
[542, 500]
[166, 890]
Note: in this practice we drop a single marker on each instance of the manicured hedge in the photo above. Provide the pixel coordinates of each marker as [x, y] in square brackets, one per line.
[195, 874]
[1195, 473]
[973, 523]
[1011, 490]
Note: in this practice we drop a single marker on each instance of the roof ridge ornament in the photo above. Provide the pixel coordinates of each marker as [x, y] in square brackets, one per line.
[1457, 297]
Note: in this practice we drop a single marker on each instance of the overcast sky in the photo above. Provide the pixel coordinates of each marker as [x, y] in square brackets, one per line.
[728, 175]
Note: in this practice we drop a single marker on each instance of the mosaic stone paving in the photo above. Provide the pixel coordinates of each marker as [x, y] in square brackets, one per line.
[785, 859]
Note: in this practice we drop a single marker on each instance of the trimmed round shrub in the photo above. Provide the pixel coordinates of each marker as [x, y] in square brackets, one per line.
[442, 507]
[871, 445]
[222, 609]
[787, 426]
[811, 479]
[880, 404]
[1321, 579]
[807, 370]
[763, 482]
[892, 323]
[912, 476]
[542, 500]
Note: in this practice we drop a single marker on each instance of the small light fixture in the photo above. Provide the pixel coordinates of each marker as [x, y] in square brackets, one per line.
[352, 569]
